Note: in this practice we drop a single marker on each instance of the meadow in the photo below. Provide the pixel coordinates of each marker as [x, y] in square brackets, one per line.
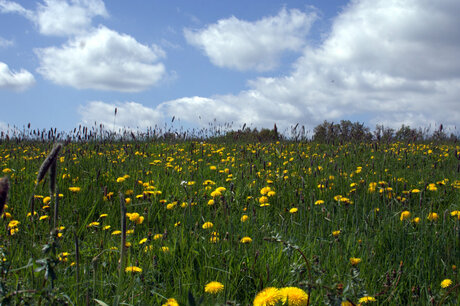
[213, 223]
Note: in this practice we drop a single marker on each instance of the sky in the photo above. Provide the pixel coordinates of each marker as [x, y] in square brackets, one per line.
[65, 63]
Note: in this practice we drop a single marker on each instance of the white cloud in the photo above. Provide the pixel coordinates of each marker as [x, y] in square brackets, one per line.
[389, 62]
[102, 59]
[17, 81]
[62, 18]
[243, 45]
[5, 42]
[130, 115]
[59, 17]
[13, 7]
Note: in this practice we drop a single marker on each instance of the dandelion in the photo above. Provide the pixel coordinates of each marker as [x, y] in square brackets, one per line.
[293, 210]
[319, 202]
[367, 299]
[404, 215]
[165, 249]
[133, 269]
[157, 236]
[336, 233]
[43, 217]
[432, 216]
[211, 202]
[171, 302]
[416, 220]
[246, 240]
[93, 224]
[207, 225]
[46, 200]
[144, 240]
[268, 297]
[74, 189]
[116, 233]
[244, 218]
[293, 296]
[354, 261]
[106, 227]
[213, 287]
[446, 283]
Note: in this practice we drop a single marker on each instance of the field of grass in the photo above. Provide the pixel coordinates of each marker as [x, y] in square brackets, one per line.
[341, 222]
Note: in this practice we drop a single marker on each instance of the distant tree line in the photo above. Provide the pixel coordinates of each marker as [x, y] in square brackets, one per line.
[347, 131]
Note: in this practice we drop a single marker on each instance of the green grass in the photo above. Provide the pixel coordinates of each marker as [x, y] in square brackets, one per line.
[401, 262]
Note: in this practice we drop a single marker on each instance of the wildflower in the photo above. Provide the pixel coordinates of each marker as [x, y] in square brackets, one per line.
[75, 189]
[93, 224]
[367, 299]
[120, 179]
[263, 200]
[165, 249]
[207, 225]
[46, 200]
[116, 233]
[211, 202]
[213, 287]
[246, 240]
[319, 202]
[415, 191]
[106, 227]
[244, 218]
[432, 187]
[432, 216]
[265, 190]
[416, 220]
[43, 217]
[13, 224]
[354, 261]
[103, 215]
[268, 297]
[157, 236]
[446, 283]
[144, 240]
[293, 296]
[133, 269]
[171, 302]
[336, 233]
[293, 210]
[455, 213]
[404, 215]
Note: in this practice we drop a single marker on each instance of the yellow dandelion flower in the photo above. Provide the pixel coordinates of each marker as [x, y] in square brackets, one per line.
[43, 217]
[336, 233]
[354, 261]
[432, 216]
[211, 202]
[144, 240]
[93, 224]
[171, 302]
[165, 249]
[46, 200]
[246, 240]
[293, 296]
[446, 283]
[319, 202]
[133, 269]
[157, 236]
[293, 210]
[74, 189]
[268, 297]
[207, 225]
[116, 233]
[404, 215]
[213, 287]
[244, 218]
[367, 299]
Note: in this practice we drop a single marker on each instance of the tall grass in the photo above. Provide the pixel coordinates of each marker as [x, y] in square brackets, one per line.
[83, 261]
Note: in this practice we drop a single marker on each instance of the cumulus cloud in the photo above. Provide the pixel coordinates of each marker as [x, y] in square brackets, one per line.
[102, 59]
[388, 62]
[130, 115]
[244, 45]
[17, 81]
[59, 17]
[63, 18]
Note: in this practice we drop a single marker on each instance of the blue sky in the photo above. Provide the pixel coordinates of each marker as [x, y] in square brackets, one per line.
[70, 62]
